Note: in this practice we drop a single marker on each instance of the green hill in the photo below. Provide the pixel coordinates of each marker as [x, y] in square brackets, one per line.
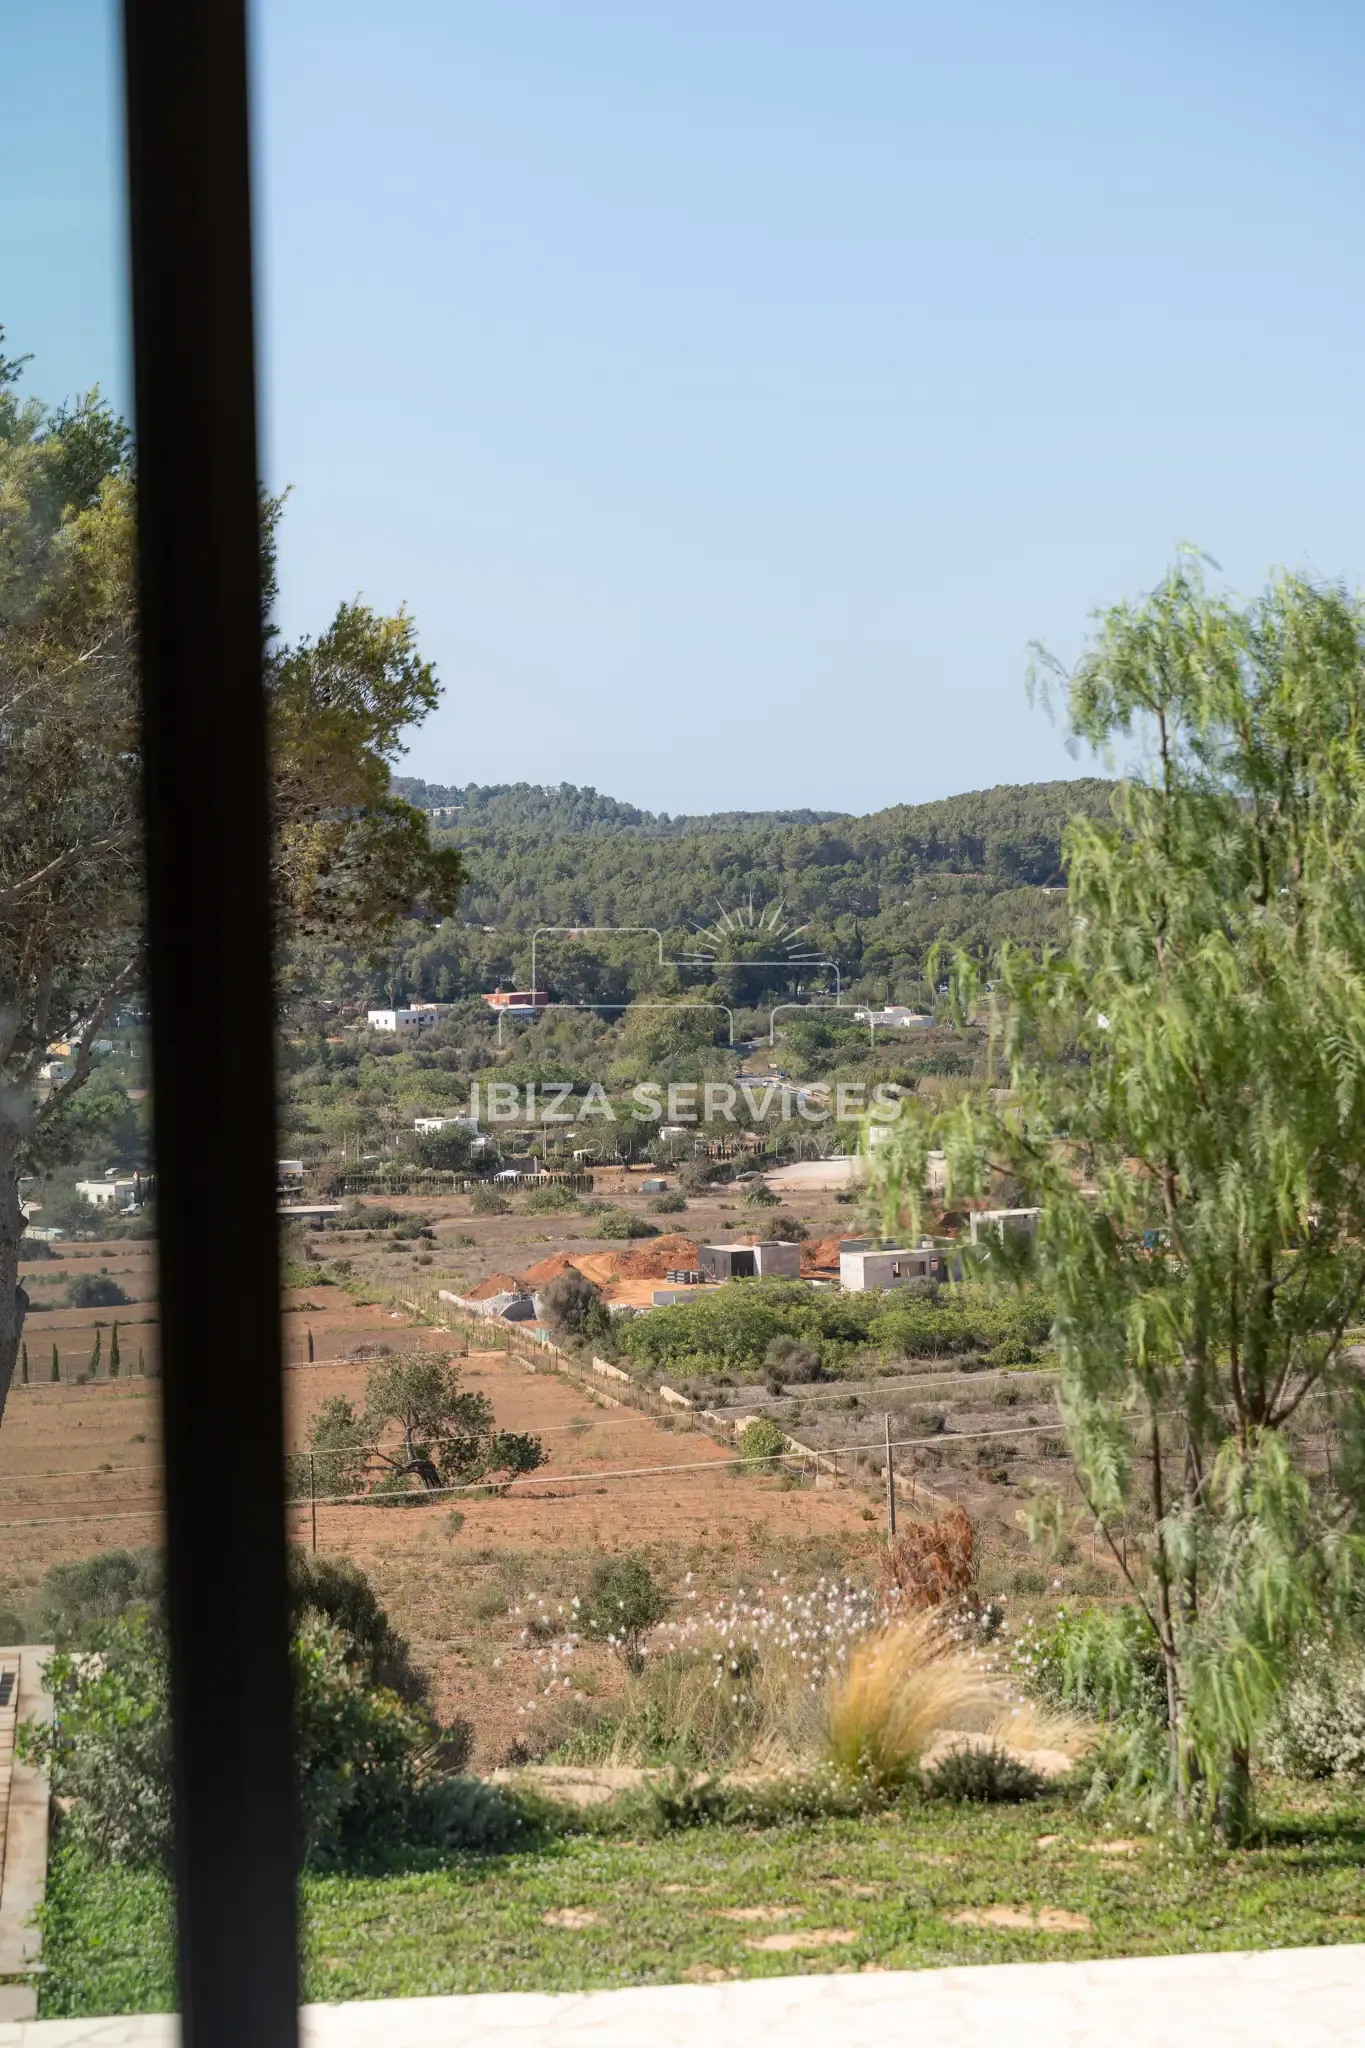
[872, 893]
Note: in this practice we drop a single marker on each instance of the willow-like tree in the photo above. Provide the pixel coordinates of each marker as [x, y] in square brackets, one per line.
[349, 860]
[1187, 1105]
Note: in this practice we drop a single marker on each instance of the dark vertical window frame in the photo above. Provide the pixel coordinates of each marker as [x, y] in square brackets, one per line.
[210, 981]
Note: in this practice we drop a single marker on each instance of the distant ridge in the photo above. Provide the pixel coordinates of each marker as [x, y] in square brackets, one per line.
[565, 808]
[1029, 809]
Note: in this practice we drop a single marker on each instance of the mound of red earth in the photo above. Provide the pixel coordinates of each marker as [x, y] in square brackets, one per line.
[536, 1277]
[496, 1283]
[662, 1255]
[820, 1255]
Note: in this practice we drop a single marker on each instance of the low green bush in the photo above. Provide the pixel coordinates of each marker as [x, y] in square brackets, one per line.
[980, 1776]
[1318, 1730]
[622, 1223]
[549, 1201]
[621, 1603]
[371, 1777]
[672, 1203]
[488, 1202]
[94, 1290]
[762, 1443]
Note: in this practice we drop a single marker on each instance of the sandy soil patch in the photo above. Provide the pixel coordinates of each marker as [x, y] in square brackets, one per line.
[1033, 1919]
[806, 1938]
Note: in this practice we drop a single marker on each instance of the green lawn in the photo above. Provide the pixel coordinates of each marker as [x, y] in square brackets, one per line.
[892, 1881]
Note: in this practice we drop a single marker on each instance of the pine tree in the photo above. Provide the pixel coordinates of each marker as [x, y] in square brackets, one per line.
[1201, 1044]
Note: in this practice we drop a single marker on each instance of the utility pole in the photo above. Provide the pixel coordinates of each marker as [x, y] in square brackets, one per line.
[890, 1484]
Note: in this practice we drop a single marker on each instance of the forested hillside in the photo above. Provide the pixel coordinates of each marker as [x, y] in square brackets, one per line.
[563, 808]
[872, 893]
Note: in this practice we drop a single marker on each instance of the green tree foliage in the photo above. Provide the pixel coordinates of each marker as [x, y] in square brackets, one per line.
[1189, 1108]
[623, 1601]
[762, 1443]
[574, 1308]
[419, 1427]
[874, 893]
[95, 1290]
[350, 858]
[371, 1777]
[733, 1329]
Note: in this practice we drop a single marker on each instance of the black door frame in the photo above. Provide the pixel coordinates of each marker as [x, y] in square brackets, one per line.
[212, 1002]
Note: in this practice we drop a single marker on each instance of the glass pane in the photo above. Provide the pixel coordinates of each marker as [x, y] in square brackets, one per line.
[730, 396]
[80, 1432]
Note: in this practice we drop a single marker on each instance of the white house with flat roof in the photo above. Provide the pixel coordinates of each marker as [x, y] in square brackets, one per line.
[410, 1020]
[865, 1272]
[116, 1191]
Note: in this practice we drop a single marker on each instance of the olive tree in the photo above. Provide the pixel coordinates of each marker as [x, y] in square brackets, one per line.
[349, 860]
[1187, 1104]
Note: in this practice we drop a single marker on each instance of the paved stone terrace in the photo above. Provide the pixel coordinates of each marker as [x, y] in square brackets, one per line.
[1293, 1998]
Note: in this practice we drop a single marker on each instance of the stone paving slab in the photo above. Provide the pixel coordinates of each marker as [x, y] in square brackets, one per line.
[26, 1804]
[1289, 1998]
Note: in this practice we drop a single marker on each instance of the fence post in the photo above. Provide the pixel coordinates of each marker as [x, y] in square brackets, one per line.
[890, 1483]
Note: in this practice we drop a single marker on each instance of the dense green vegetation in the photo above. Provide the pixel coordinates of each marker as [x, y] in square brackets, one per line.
[874, 894]
[733, 1330]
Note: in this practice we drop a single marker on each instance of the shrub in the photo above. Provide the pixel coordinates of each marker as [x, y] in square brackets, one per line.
[573, 1307]
[623, 1601]
[549, 1201]
[1106, 1663]
[931, 1563]
[94, 1290]
[790, 1229]
[488, 1202]
[364, 1758]
[980, 1775]
[1318, 1730]
[109, 1746]
[340, 1593]
[617, 1223]
[790, 1361]
[762, 1444]
[78, 1601]
[671, 1204]
[370, 1766]
[758, 1195]
[900, 1688]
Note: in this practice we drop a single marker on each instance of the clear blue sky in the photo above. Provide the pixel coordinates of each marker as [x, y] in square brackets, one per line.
[733, 389]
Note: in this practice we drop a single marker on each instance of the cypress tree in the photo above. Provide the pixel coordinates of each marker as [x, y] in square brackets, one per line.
[23, 1366]
[95, 1350]
[310, 1347]
[141, 1372]
[114, 1360]
[56, 1363]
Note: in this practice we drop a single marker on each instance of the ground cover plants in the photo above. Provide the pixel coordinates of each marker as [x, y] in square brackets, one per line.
[918, 1884]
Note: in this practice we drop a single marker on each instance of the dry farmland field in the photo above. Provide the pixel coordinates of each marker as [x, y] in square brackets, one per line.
[80, 1472]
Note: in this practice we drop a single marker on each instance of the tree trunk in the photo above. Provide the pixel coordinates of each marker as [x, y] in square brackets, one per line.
[1234, 1799]
[13, 1300]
